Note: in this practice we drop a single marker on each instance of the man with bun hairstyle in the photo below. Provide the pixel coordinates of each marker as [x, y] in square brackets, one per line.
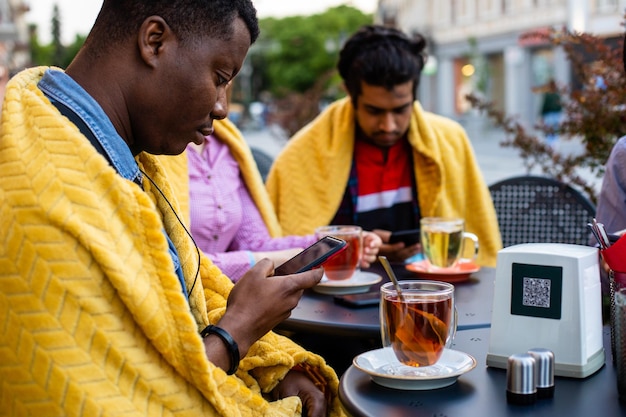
[377, 159]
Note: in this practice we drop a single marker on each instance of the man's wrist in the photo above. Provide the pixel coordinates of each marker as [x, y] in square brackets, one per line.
[229, 342]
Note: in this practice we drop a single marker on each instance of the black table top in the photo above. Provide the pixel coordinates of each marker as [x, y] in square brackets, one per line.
[482, 391]
[318, 313]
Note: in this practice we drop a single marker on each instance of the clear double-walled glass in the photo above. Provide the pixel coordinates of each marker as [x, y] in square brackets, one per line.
[419, 324]
[344, 264]
[443, 240]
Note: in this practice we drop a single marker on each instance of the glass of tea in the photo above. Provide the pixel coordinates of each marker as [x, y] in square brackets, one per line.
[344, 264]
[442, 240]
[419, 323]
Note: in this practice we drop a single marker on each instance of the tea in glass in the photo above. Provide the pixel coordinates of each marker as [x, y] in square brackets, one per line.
[420, 325]
[443, 239]
[344, 264]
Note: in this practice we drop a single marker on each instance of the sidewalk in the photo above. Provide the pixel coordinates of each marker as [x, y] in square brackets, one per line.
[269, 139]
[496, 162]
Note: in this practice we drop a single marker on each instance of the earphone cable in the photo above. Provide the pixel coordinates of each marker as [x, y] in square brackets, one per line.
[184, 228]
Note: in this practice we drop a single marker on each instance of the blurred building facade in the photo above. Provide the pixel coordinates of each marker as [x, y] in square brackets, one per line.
[14, 36]
[477, 46]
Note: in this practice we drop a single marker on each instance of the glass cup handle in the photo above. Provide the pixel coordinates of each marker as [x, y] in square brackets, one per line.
[452, 330]
[473, 238]
[360, 254]
[384, 331]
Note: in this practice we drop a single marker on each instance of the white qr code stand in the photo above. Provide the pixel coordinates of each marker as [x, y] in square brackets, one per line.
[548, 295]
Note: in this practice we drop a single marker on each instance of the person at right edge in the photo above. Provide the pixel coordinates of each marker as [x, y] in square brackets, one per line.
[611, 207]
[377, 159]
[107, 306]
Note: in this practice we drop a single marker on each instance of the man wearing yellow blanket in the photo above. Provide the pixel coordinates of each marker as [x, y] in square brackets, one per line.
[107, 307]
[376, 159]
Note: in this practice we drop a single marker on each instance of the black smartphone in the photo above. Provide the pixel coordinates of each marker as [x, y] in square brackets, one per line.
[359, 300]
[311, 257]
[409, 237]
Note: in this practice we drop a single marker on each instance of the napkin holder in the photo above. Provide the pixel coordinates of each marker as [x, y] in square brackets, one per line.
[548, 295]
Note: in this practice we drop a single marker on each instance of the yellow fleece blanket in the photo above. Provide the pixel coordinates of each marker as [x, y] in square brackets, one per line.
[94, 321]
[308, 178]
[178, 170]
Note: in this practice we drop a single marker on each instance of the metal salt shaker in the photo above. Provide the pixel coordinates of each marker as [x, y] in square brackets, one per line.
[544, 360]
[521, 379]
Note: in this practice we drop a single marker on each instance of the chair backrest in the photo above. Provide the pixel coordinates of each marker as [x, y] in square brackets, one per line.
[263, 161]
[533, 209]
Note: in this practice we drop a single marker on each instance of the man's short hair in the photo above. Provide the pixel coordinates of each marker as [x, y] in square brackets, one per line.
[191, 20]
[381, 56]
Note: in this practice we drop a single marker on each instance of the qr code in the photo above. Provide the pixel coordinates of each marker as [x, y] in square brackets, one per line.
[536, 292]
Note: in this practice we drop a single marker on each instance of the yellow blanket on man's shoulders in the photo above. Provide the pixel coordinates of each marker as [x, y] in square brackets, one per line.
[308, 178]
[94, 319]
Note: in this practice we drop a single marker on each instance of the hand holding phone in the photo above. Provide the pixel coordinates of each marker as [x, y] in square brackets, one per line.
[312, 257]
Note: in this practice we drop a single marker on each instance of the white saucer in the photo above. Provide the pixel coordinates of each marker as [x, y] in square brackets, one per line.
[385, 369]
[358, 283]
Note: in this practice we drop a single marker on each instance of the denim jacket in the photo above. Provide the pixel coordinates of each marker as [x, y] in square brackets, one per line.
[61, 88]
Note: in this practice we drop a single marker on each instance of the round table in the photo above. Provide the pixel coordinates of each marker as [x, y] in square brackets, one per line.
[482, 391]
[318, 313]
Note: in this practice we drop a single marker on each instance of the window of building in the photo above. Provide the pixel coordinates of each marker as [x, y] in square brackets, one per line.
[466, 11]
[442, 11]
[545, 3]
[490, 8]
[513, 6]
[606, 6]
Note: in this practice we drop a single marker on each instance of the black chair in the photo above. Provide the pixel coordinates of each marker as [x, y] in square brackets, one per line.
[263, 161]
[533, 209]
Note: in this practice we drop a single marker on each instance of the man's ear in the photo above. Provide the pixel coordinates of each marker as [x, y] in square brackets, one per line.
[154, 35]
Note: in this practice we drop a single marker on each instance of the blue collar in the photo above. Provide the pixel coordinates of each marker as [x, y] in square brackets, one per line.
[60, 87]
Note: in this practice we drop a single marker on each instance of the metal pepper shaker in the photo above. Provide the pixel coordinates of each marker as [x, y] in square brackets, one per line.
[521, 379]
[544, 359]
